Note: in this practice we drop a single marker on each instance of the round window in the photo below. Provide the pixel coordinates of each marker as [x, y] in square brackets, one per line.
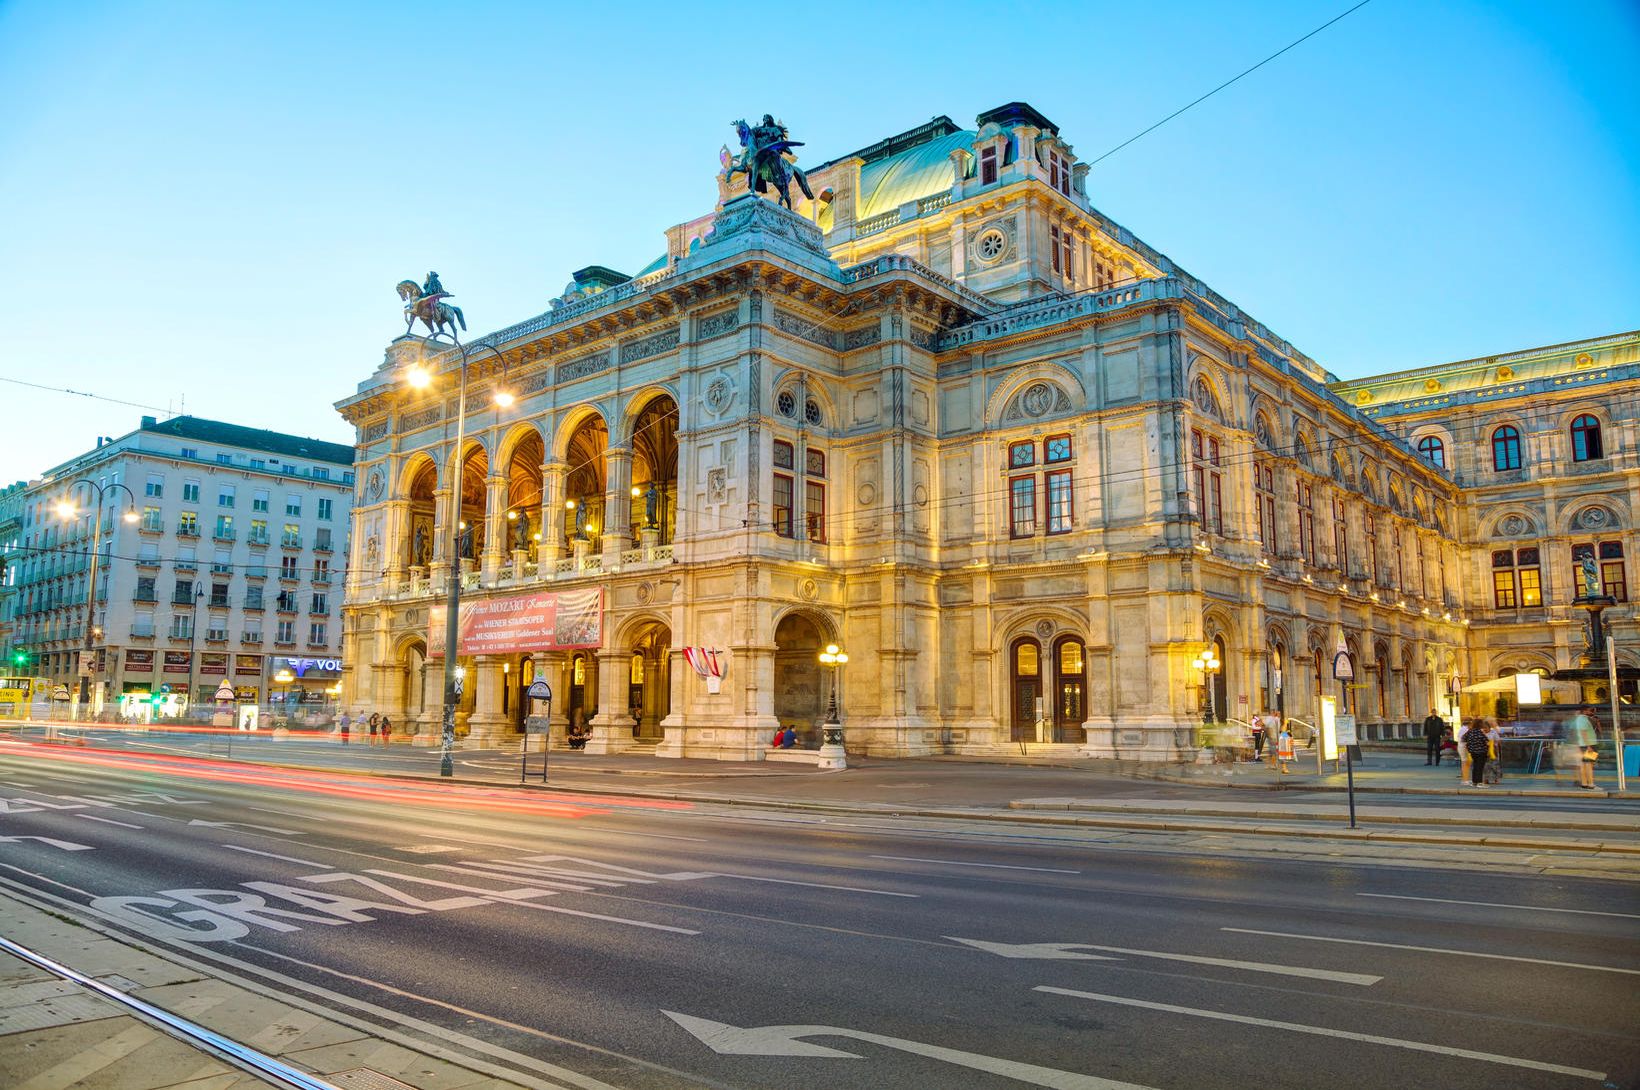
[811, 413]
[786, 404]
[992, 244]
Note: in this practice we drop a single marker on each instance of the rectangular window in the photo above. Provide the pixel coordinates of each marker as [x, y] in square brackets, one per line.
[219, 595]
[782, 505]
[1306, 522]
[324, 509]
[151, 520]
[319, 604]
[292, 538]
[1208, 483]
[284, 632]
[225, 495]
[987, 165]
[1531, 587]
[1022, 507]
[287, 567]
[155, 486]
[1021, 455]
[814, 462]
[190, 452]
[321, 473]
[259, 500]
[1341, 533]
[188, 524]
[1265, 500]
[224, 459]
[182, 626]
[318, 633]
[321, 538]
[190, 491]
[145, 588]
[286, 601]
[814, 510]
[223, 563]
[321, 570]
[785, 455]
[293, 505]
[253, 596]
[1503, 589]
[1056, 448]
[183, 594]
[1054, 247]
[1061, 516]
[259, 532]
[224, 527]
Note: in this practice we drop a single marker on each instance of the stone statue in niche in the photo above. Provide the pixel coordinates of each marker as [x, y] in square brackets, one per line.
[521, 531]
[419, 546]
[1591, 577]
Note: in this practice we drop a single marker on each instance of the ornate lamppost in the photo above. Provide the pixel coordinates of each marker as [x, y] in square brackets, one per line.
[67, 510]
[430, 299]
[1208, 663]
[831, 731]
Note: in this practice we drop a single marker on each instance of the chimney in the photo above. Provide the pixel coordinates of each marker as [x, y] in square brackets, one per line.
[149, 421]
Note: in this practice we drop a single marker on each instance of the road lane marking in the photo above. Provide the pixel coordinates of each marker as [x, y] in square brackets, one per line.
[991, 866]
[65, 845]
[815, 885]
[1067, 951]
[551, 908]
[53, 881]
[1495, 904]
[108, 821]
[1322, 1031]
[271, 855]
[1433, 950]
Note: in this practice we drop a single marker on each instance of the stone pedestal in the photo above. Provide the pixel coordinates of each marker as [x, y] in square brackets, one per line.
[649, 539]
[520, 563]
[1146, 738]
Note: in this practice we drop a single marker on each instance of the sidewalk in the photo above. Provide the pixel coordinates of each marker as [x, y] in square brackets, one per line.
[55, 1034]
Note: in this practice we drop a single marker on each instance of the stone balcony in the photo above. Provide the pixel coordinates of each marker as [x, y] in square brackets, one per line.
[518, 573]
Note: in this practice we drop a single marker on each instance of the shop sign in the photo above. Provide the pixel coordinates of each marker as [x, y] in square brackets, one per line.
[177, 662]
[246, 694]
[312, 667]
[247, 666]
[213, 662]
[139, 662]
[524, 623]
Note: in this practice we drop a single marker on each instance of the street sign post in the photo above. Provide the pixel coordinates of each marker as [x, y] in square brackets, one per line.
[536, 726]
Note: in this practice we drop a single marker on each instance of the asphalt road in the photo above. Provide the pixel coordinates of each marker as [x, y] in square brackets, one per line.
[645, 944]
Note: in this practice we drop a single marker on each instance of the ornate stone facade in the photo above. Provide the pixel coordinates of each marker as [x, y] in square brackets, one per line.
[948, 415]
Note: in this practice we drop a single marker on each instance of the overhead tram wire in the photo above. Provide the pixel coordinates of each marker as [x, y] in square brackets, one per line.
[81, 393]
[1228, 82]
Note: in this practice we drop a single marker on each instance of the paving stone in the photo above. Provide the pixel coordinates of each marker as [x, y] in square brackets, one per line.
[420, 1071]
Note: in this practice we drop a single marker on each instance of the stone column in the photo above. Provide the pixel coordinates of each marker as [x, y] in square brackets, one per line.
[440, 566]
[612, 727]
[396, 549]
[550, 519]
[672, 727]
[488, 724]
[495, 527]
[553, 666]
[430, 721]
[617, 531]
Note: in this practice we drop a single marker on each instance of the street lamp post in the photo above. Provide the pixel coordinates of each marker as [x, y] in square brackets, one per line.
[420, 378]
[193, 634]
[831, 731]
[1208, 663]
[66, 509]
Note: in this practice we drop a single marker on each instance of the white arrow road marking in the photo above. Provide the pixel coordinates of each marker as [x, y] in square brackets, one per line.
[1495, 904]
[245, 825]
[783, 1041]
[815, 885]
[1054, 950]
[108, 821]
[1040, 951]
[1434, 950]
[503, 897]
[271, 855]
[1323, 1031]
[65, 845]
[988, 866]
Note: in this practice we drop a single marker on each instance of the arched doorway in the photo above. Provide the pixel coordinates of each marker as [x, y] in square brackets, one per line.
[1380, 678]
[417, 548]
[799, 696]
[655, 469]
[1221, 682]
[414, 682]
[1024, 689]
[582, 702]
[523, 473]
[474, 502]
[1070, 690]
[584, 481]
[649, 681]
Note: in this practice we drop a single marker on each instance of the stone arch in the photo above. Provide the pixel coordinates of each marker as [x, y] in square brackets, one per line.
[1206, 391]
[1595, 515]
[473, 505]
[522, 432]
[1029, 619]
[411, 469]
[1439, 432]
[646, 638]
[583, 445]
[1266, 417]
[1062, 394]
[419, 483]
[1303, 445]
[1510, 524]
[519, 461]
[792, 382]
[800, 688]
[572, 420]
[653, 439]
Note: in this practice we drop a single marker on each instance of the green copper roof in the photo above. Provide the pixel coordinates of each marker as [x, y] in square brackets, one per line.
[654, 266]
[911, 175]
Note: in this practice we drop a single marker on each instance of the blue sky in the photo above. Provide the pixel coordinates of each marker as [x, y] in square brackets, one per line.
[209, 204]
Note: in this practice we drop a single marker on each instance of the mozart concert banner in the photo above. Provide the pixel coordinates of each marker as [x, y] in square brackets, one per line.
[547, 621]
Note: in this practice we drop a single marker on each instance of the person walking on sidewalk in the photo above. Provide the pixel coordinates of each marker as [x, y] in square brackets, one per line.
[375, 725]
[1284, 749]
[386, 730]
[1434, 727]
[1463, 752]
[343, 723]
[1258, 737]
[1476, 743]
[1580, 735]
[1494, 753]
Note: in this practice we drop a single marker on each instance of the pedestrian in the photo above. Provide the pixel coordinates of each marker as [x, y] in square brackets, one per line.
[344, 722]
[1580, 735]
[1284, 748]
[345, 725]
[1494, 753]
[1475, 743]
[375, 725]
[1463, 753]
[387, 730]
[1258, 737]
[1434, 727]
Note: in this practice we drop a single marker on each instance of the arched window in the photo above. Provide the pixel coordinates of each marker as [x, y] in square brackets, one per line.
[1026, 682]
[1506, 448]
[1586, 439]
[1433, 450]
